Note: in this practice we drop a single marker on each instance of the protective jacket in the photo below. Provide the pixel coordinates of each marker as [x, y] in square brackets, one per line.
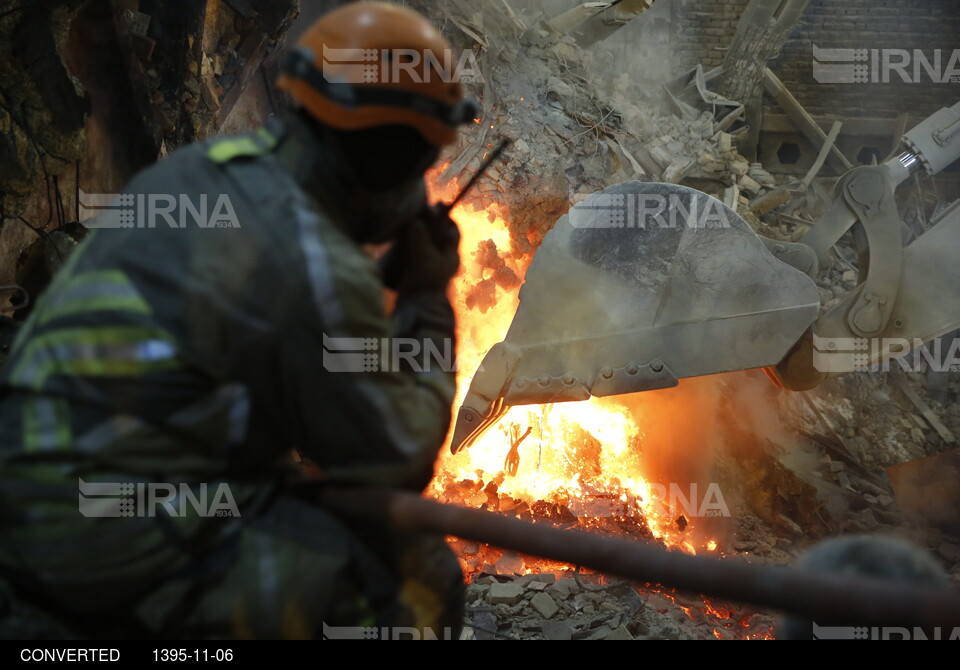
[218, 317]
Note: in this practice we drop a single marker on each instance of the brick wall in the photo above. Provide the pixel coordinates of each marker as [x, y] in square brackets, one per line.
[872, 24]
[701, 29]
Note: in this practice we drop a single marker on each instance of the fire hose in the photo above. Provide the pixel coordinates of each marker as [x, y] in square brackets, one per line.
[827, 598]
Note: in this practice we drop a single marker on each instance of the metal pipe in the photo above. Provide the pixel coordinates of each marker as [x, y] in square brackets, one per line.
[822, 597]
[910, 161]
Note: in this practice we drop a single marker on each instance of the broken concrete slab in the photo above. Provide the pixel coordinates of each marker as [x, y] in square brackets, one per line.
[475, 592]
[544, 605]
[761, 176]
[545, 578]
[564, 588]
[749, 185]
[725, 142]
[504, 594]
[739, 167]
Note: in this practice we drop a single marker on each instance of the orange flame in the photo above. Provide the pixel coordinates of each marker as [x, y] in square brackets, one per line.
[586, 456]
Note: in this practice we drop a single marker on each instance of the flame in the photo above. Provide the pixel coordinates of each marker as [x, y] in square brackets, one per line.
[583, 457]
[596, 461]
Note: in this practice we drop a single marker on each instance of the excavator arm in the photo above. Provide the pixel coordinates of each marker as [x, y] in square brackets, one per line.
[644, 284]
[905, 295]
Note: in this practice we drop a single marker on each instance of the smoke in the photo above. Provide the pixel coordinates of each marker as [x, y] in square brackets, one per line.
[634, 58]
[704, 431]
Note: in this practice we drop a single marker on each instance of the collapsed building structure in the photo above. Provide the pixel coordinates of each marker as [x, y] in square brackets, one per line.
[724, 98]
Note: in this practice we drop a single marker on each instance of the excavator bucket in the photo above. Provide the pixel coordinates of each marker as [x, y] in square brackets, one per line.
[634, 288]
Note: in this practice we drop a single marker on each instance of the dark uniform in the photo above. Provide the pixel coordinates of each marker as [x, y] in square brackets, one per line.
[195, 355]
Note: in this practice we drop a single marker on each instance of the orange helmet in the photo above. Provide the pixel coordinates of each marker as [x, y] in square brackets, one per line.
[370, 64]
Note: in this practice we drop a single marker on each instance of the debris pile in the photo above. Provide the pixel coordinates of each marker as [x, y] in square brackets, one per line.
[822, 472]
[571, 605]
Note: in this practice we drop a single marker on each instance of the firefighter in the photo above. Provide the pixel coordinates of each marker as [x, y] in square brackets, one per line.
[151, 402]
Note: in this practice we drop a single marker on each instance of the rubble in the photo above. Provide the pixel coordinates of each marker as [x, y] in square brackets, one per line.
[544, 605]
[569, 141]
[825, 473]
[504, 594]
[828, 475]
[566, 611]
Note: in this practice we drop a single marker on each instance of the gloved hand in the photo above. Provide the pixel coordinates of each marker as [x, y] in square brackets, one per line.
[425, 255]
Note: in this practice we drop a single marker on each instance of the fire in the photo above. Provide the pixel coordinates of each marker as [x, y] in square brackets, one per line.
[582, 461]
[591, 463]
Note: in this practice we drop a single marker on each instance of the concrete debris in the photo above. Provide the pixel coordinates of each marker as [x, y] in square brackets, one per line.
[558, 607]
[725, 142]
[504, 594]
[537, 581]
[761, 176]
[564, 588]
[739, 167]
[749, 185]
[568, 140]
[829, 479]
[545, 605]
